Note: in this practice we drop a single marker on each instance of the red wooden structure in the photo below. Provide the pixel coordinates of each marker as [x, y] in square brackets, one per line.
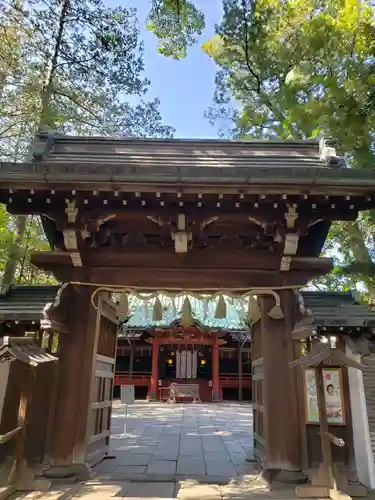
[205, 344]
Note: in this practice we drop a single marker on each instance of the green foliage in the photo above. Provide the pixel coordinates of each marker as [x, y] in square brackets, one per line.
[67, 65]
[176, 24]
[34, 240]
[299, 69]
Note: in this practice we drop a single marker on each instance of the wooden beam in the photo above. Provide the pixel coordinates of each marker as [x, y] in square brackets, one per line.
[207, 258]
[197, 279]
[154, 260]
[321, 265]
[231, 206]
[210, 280]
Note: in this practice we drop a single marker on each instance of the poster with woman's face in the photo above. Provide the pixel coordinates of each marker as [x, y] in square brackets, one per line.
[332, 393]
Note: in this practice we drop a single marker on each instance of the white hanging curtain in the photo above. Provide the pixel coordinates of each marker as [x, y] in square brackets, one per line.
[183, 364]
[189, 357]
[178, 364]
[186, 364]
[195, 364]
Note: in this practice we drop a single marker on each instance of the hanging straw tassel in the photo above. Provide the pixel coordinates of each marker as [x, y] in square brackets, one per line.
[253, 312]
[157, 311]
[276, 312]
[186, 314]
[123, 306]
[221, 308]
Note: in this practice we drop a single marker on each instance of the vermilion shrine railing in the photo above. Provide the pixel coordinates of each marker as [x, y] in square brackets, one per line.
[137, 378]
[230, 380]
[227, 380]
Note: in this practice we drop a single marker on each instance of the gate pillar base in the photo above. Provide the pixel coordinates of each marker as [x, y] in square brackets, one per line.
[216, 397]
[272, 477]
[81, 472]
[59, 472]
[152, 397]
[291, 477]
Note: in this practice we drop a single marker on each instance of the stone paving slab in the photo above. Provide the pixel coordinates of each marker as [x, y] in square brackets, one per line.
[183, 439]
[183, 451]
[162, 467]
[246, 488]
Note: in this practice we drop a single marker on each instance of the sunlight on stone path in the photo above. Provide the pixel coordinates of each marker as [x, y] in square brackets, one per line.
[185, 452]
[183, 439]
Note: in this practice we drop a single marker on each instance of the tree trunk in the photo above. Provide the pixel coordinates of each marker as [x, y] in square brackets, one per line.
[45, 118]
[14, 254]
[44, 121]
[361, 254]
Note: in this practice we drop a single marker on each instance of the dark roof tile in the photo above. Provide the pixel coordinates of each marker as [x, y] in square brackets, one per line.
[184, 153]
[26, 303]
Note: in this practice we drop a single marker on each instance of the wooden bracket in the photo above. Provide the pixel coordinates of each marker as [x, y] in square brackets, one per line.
[291, 216]
[181, 237]
[71, 211]
[285, 263]
[290, 248]
[70, 240]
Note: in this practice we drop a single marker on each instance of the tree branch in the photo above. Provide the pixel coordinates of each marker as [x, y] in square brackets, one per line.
[258, 90]
[74, 101]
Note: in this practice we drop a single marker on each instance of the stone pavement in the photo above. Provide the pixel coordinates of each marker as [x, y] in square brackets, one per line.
[181, 490]
[190, 441]
[184, 451]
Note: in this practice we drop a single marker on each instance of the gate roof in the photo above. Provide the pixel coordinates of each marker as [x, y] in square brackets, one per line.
[102, 160]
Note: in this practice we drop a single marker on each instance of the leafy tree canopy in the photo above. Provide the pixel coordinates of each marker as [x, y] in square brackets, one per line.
[176, 24]
[68, 66]
[301, 69]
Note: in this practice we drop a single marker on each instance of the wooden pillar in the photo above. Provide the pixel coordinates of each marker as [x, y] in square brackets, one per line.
[131, 360]
[240, 371]
[4, 375]
[76, 357]
[282, 456]
[154, 371]
[215, 372]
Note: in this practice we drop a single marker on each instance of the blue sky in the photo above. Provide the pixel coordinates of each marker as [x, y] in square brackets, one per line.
[185, 88]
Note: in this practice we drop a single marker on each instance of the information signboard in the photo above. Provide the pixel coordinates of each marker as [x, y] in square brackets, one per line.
[127, 394]
[127, 398]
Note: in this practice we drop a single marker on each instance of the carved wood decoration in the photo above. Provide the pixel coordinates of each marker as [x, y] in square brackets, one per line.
[70, 234]
[181, 233]
[291, 237]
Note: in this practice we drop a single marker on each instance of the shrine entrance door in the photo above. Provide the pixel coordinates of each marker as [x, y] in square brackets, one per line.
[99, 418]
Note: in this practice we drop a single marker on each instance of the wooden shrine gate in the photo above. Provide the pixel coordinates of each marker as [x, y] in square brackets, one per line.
[122, 212]
[99, 419]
